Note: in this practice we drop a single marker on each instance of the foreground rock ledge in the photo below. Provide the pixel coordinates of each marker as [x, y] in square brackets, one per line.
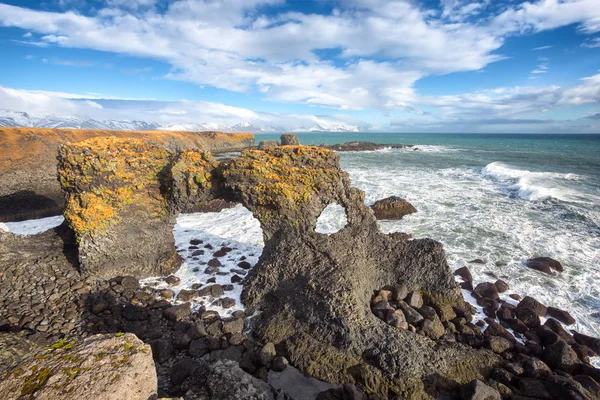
[110, 367]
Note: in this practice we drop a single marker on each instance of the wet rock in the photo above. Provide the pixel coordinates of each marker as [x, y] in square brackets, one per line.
[212, 290]
[213, 262]
[225, 302]
[501, 286]
[544, 264]
[465, 274]
[392, 208]
[557, 328]
[211, 270]
[187, 295]
[197, 253]
[487, 290]
[591, 342]
[196, 242]
[528, 317]
[178, 313]
[167, 294]
[561, 315]
[477, 390]
[537, 369]
[245, 265]
[173, 280]
[533, 304]
[236, 279]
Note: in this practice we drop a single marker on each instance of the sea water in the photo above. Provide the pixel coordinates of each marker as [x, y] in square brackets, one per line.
[498, 198]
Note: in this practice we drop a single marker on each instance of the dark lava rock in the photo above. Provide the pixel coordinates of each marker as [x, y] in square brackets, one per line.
[183, 369]
[187, 295]
[162, 350]
[280, 364]
[198, 253]
[236, 279]
[132, 312]
[536, 368]
[196, 242]
[130, 282]
[487, 290]
[477, 390]
[221, 252]
[557, 328]
[567, 388]
[172, 280]
[212, 290]
[533, 304]
[211, 270]
[501, 286]
[227, 288]
[528, 317]
[560, 356]
[533, 388]
[178, 313]
[200, 347]
[591, 342]
[213, 262]
[392, 208]
[233, 326]
[465, 274]
[245, 265]
[544, 264]
[477, 261]
[561, 315]
[225, 302]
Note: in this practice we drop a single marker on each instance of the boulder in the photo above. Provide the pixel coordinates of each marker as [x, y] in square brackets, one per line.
[589, 341]
[534, 305]
[561, 315]
[111, 367]
[501, 286]
[560, 355]
[487, 290]
[393, 207]
[477, 390]
[289, 139]
[225, 380]
[544, 264]
[267, 144]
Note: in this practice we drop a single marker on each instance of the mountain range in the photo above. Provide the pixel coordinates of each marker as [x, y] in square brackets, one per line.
[9, 118]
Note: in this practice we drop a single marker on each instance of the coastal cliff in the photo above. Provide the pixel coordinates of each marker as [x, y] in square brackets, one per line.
[29, 188]
[378, 314]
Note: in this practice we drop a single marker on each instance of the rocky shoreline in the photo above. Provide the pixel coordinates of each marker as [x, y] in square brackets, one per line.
[374, 315]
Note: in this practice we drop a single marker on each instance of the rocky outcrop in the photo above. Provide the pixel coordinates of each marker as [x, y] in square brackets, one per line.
[393, 207]
[289, 139]
[267, 144]
[29, 189]
[103, 366]
[313, 291]
[117, 193]
[364, 146]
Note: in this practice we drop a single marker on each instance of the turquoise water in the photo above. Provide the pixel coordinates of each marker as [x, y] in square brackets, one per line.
[500, 198]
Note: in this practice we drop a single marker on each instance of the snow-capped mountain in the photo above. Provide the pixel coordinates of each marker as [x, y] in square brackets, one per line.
[10, 118]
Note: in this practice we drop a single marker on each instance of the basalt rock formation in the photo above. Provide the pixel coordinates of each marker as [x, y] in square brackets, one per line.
[28, 188]
[117, 205]
[313, 291]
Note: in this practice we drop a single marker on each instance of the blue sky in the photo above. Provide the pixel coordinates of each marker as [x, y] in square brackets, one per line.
[374, 65]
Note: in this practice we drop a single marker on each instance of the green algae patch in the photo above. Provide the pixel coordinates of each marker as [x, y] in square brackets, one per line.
[35, 381]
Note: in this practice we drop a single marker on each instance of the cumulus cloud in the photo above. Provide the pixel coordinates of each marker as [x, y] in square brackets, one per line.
[381, 48]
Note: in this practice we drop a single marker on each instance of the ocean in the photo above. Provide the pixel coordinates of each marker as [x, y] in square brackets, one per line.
[498, 198]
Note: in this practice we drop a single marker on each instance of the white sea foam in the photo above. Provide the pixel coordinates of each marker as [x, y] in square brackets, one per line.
[332, 219]
[235, 228]
[32, 226]
[534, 185]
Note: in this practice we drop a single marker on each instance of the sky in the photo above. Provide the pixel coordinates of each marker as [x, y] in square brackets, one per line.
[374, 65]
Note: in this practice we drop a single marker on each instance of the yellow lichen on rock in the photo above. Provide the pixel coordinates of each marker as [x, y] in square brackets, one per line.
[103, 175]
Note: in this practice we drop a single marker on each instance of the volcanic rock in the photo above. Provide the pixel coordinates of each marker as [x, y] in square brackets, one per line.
[561, 315]
[534, 305]
[289, 139]
[392, 208]
[544, 264]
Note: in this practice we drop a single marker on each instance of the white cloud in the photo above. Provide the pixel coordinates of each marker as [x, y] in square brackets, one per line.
[542, 48]
[382, 47]
[591, 43]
